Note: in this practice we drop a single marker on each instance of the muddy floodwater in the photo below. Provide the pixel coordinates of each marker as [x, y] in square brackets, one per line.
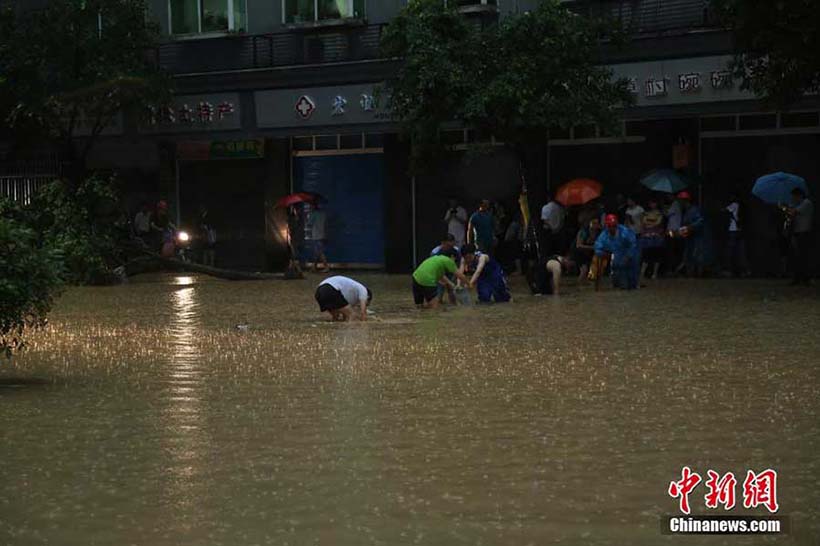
[143, 416]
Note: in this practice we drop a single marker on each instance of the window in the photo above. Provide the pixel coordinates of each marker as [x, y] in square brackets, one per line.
[200, 16]
[309, 11]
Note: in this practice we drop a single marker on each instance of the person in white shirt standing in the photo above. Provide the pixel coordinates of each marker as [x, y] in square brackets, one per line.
[674, 246]
[316, 234]
[456, 220]
[341, 297]
[634, 216]
[552, 223]
[736, 264]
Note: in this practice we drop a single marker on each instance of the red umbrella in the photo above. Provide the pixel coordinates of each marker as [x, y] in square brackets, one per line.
[296, 198]
[578, 192]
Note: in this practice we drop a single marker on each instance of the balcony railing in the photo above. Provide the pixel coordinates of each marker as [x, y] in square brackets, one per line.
[651, 16]
[291, 48]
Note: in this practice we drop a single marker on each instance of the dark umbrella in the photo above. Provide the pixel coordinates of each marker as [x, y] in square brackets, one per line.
[665, 181]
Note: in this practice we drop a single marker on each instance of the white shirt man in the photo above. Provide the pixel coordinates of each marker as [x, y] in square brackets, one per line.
[340, 295]
[634, 218]
[456, 219]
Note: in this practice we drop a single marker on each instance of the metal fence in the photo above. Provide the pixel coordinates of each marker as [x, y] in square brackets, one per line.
[291, 48]
[20, 180]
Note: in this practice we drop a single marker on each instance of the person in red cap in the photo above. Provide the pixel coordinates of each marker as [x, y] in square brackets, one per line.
[620, 242]
[693, 230]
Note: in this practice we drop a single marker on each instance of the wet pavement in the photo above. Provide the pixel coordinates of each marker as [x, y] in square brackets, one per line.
[143, 416]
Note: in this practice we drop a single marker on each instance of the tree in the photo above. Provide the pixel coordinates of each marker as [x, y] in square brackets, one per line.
[777, 44]
[74, 66]
[30, 275]
[511, 80]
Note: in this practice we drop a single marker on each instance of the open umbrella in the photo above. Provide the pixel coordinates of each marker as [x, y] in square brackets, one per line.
[776, 188]
[578, 192]
[296, 198]
[665, 181]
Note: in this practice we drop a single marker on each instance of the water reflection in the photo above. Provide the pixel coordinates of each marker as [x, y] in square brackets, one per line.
[185, 436]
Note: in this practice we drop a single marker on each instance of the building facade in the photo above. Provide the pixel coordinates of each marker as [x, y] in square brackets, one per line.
[275, 96]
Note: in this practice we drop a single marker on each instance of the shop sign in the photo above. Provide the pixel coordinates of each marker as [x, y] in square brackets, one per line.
[656, 87]
[319, 106]
[689, 83]
[195, 113]
[253, 148]
[205, 150]
[681, 81]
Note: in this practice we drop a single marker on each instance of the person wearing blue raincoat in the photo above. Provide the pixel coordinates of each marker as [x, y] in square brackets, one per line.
[622, 243]
[698, 249]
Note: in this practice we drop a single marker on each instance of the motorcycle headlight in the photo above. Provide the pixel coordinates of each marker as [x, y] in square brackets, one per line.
[183, 237]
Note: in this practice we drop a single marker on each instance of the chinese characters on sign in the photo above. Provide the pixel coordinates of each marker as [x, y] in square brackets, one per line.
[656, 87]
[722, 79]
[306, 106]
[689, 83]
[339, 105]
[203, 113]
[367, 102]
[632, 85]
[759, 489]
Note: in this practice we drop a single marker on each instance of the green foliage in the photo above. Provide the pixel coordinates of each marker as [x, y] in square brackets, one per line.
[777, 44]
[512, 80]
[73, 66]
[30, 276]
[85, 225]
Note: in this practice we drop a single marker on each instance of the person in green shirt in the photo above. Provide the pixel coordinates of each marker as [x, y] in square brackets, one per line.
[432, 272]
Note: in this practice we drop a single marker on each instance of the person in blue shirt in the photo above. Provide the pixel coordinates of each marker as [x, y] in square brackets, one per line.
[487, 275]
[481, 229]
[447, 248]
[622, 243]
[695, 232]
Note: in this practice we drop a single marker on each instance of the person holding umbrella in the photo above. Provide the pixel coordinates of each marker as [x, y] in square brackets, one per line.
[779, 189]
[801, 214]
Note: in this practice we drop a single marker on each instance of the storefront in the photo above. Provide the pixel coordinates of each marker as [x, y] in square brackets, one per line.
[691, 114]
[337, 152]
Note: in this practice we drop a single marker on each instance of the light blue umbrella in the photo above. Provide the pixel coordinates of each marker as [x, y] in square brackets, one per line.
[776, 188]
[665, 180]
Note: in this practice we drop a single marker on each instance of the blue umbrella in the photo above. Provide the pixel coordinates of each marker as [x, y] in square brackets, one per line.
[665, 180]
[776, 188]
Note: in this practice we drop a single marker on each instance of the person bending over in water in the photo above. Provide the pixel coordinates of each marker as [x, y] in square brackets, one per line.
[487, 275]
[621, 243]
[340, 296]
[556, 267]
[429, 275]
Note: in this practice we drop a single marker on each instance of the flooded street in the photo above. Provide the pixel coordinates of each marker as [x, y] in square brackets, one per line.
[143, 416]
